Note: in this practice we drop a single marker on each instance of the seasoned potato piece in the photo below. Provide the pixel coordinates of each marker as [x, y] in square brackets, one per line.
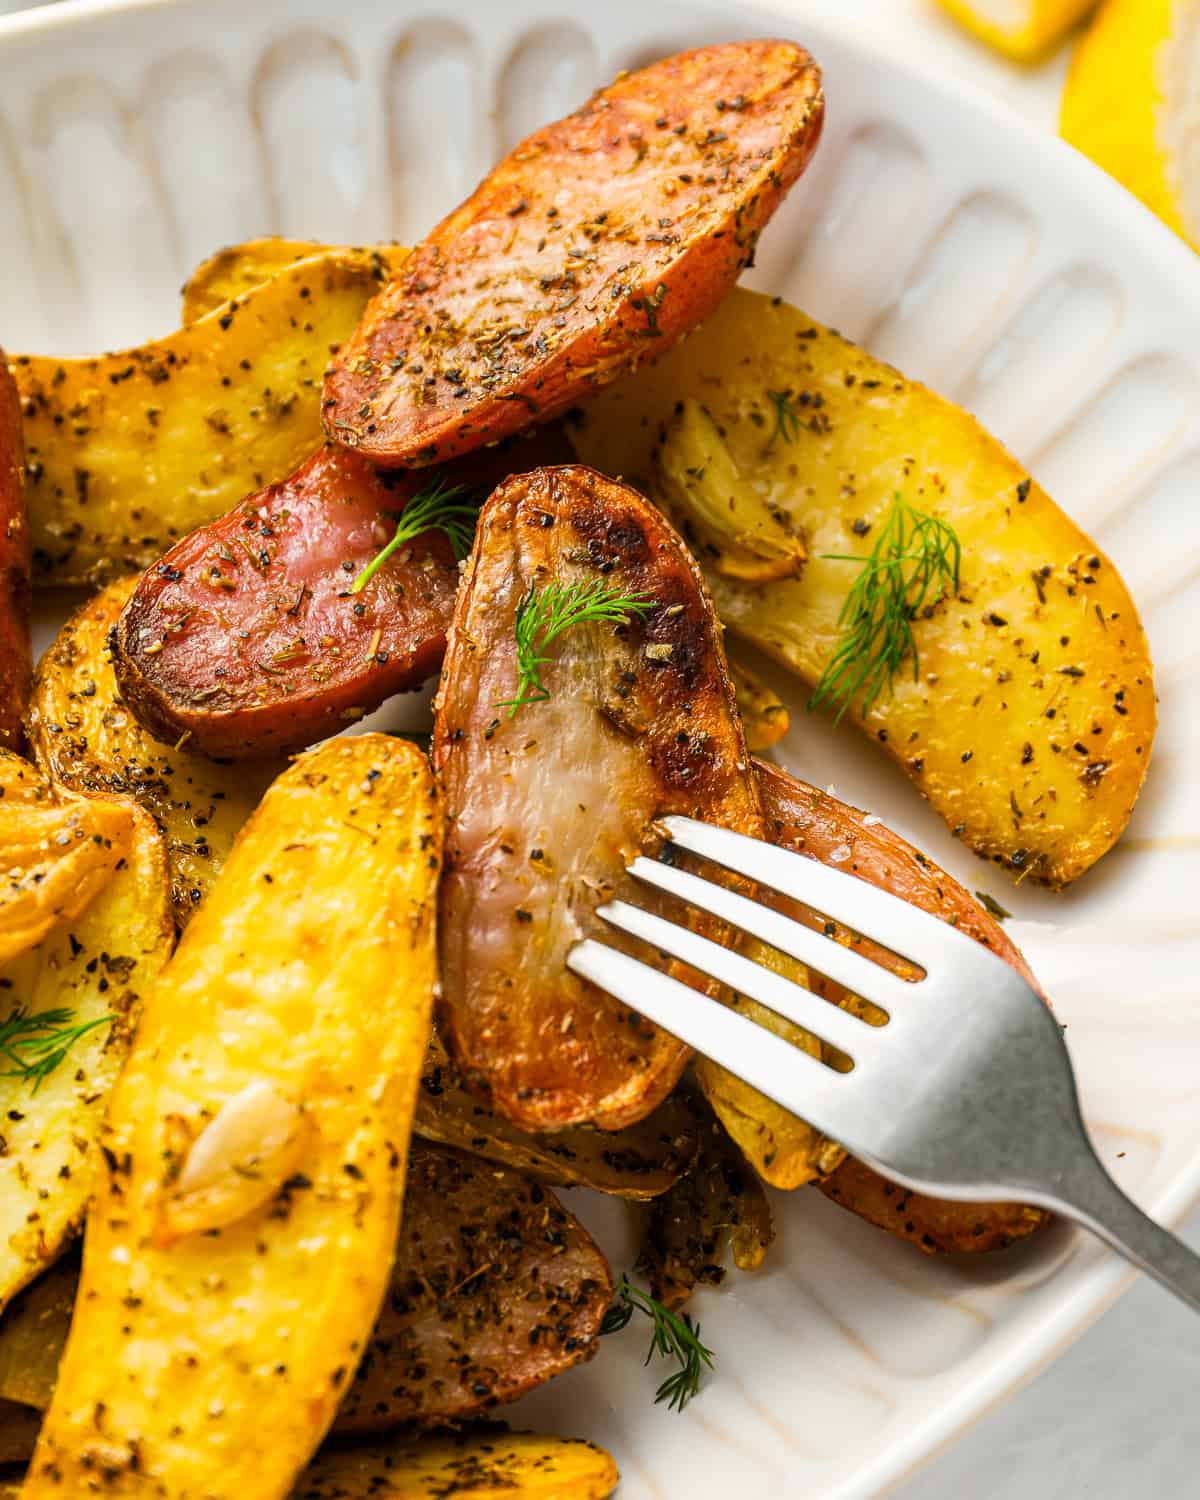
[932, 1224]
[128, 452]
[57, 851]
[84, 736]
[598, 242]
[547, 803]
[765, 717]
[720, 1199]
[86, 981]
[489, 1265]
[232, 272]
[240, 1241]
[248, 636]
[638, 1162]
[15, 588]
[788, 1151]
[1030, 725]
[467, 1465]
[33, 1334]
[495, 1289]
[18, 1434]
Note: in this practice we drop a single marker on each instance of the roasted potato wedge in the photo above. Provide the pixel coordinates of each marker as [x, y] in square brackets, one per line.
[86, 979]
[786, 1150]
[15, 559]
[33, 1334]
[57, 852]
[240, 1241]
[1042, 644]
[599, 242]
[720, 1200]
[933, 1225]
[232, 272]
[467, 1465]
[547, 803]
[85, 737]
[18, 1435]
[639, 1162]
[765, 716]
[495, 1289]
[129, 452]
[247, 636]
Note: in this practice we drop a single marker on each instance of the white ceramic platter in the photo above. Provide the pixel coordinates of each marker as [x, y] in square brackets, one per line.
[136, 137]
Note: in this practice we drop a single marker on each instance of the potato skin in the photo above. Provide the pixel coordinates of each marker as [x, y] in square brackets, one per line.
[128, 452]
[277, 654]
[638, 1163]
[1031, 726]
[597, 243]
[16, 662]
[83, 736]
[546, 808]
[185, 1349]
[246, 638]
[495, 1289]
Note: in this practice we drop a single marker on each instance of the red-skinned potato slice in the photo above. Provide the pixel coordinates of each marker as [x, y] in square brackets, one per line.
[547, 807]
[811, 822]
[598, 242]
[246, 637]
[16, 666]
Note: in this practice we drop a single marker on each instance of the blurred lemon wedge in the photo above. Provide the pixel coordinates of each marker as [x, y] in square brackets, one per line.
[1023, 29]
[1132, 103]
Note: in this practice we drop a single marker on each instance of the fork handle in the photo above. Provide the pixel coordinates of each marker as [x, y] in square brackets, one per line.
[1089, 1195]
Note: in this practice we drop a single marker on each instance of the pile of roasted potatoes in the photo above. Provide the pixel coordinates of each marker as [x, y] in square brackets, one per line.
[292, 1065]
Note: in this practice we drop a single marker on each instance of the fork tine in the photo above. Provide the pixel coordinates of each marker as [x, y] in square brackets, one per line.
[856, 973]
[877, 914]
[795, 1080]
[819, 1017]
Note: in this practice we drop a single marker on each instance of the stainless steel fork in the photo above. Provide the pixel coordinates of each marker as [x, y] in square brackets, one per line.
[965, 1092]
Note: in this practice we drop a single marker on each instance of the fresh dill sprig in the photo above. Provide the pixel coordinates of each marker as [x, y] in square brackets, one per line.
[913, 565]
[543, 615]
[787, 418]
[452, 508]
[674, 1336]
[36, 1042]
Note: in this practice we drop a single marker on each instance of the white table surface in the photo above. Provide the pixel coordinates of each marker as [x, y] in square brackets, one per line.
[1113, 1418]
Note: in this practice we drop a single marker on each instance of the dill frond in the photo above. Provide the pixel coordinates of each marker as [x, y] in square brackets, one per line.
[913, 565]
[544, 614]
[34, 1043]
[452, 508]
[787, 418]
[673, 1336]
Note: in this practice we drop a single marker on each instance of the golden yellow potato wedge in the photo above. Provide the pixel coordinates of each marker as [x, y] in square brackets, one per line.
[127, 452]
[467, 1465]
[1030, 721]
[240, 1243]
[67, 1008]
[33, 1334]
[639, 1162]
[765, 717]
[232, 272]
[18, 1434]
[57, 852]
[84, 737]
